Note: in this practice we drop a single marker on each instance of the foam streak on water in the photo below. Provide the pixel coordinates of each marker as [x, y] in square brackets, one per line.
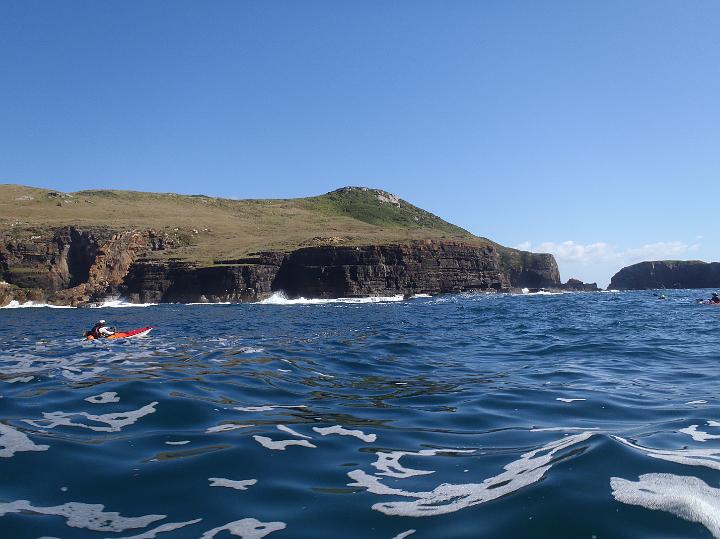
[535, 416]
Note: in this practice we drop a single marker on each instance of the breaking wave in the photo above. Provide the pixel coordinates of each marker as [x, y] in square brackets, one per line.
[279, 298]
[14, 304]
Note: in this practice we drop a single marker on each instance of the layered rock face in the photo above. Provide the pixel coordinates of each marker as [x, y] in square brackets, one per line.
[667, 274]
[77, 267]
[332, 272]
[70, 266]
[426, 267]
[150, 281]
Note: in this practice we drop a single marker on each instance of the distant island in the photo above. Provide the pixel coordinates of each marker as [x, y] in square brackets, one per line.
[80, 248]
[667, 274]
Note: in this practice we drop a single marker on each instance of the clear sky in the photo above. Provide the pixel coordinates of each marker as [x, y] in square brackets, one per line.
[587, 128]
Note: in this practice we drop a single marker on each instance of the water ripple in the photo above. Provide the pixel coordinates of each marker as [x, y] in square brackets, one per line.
[572, 415]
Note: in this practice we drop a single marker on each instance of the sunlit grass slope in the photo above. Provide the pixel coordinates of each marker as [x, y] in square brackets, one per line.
[220, 229]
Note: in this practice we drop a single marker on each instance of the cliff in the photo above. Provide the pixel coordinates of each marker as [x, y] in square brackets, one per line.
[79, 248]
[667, 274]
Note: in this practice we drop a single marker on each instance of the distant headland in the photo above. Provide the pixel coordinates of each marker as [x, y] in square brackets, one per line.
[80, 248]
[667, 274]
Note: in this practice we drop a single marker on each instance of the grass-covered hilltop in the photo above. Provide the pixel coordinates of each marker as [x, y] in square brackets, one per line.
[80, 247]
[211, 228]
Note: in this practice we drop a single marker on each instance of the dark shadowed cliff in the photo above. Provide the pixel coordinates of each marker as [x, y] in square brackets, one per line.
[81, 247]
[667, 274]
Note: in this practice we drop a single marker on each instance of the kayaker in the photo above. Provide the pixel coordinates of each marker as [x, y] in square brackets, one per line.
[99, 330]
[715, 298]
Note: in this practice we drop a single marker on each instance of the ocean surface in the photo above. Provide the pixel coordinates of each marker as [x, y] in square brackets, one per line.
[469, 416]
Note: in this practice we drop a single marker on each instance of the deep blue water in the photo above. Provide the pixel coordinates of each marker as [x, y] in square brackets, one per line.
[461, 432]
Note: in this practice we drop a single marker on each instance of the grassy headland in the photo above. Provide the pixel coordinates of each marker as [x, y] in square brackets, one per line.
[221, 229]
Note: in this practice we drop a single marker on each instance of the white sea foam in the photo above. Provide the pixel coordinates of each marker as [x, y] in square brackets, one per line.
[404, 534]
[115, 421]
[226, 426]
[179, 442]
[82, 375]
[341, 431]
[279, 298]
[562, 429]
[31, 304]
[561, 399]
[169, 527]
[699, 435]
[280, 445]
[292, 432]
[247, 528]
[83, 515]
[448, 498]
[120, 303]
[13, 441]
[267, 408]
[20, 379]
[710, 458]
[388, 463]
[104, 398]
[229, 483]
[697, 402]
[686, 497]
[251, 350]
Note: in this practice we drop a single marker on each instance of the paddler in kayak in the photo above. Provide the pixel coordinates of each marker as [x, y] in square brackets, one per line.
[99, 331]
[715, 298]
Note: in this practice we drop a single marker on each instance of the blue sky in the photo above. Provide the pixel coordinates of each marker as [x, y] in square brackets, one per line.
[589, 129]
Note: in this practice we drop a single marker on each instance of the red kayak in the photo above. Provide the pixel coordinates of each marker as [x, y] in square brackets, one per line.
[139, 332]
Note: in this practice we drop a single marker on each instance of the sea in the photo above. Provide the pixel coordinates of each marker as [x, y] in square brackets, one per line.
[577, 415]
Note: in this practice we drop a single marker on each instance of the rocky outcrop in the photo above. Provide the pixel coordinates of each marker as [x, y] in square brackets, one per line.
[576, 285]
[69, 266]
[333, 271]
[419, 267]
[152, 281]
[667, 274]
[530, 270]
[78, 267]
[10, 293]
[50, 262]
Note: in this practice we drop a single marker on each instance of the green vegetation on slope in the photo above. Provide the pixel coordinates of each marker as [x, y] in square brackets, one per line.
[218, 228]
[380, 208]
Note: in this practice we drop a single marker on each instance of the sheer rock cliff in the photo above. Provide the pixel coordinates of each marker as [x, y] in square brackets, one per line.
[80, 248]
[667, 274]
[79, 267]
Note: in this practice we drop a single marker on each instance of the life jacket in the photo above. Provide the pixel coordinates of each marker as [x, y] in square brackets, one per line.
[95, 331]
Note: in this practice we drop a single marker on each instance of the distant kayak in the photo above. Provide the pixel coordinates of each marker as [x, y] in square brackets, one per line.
[139, 332]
